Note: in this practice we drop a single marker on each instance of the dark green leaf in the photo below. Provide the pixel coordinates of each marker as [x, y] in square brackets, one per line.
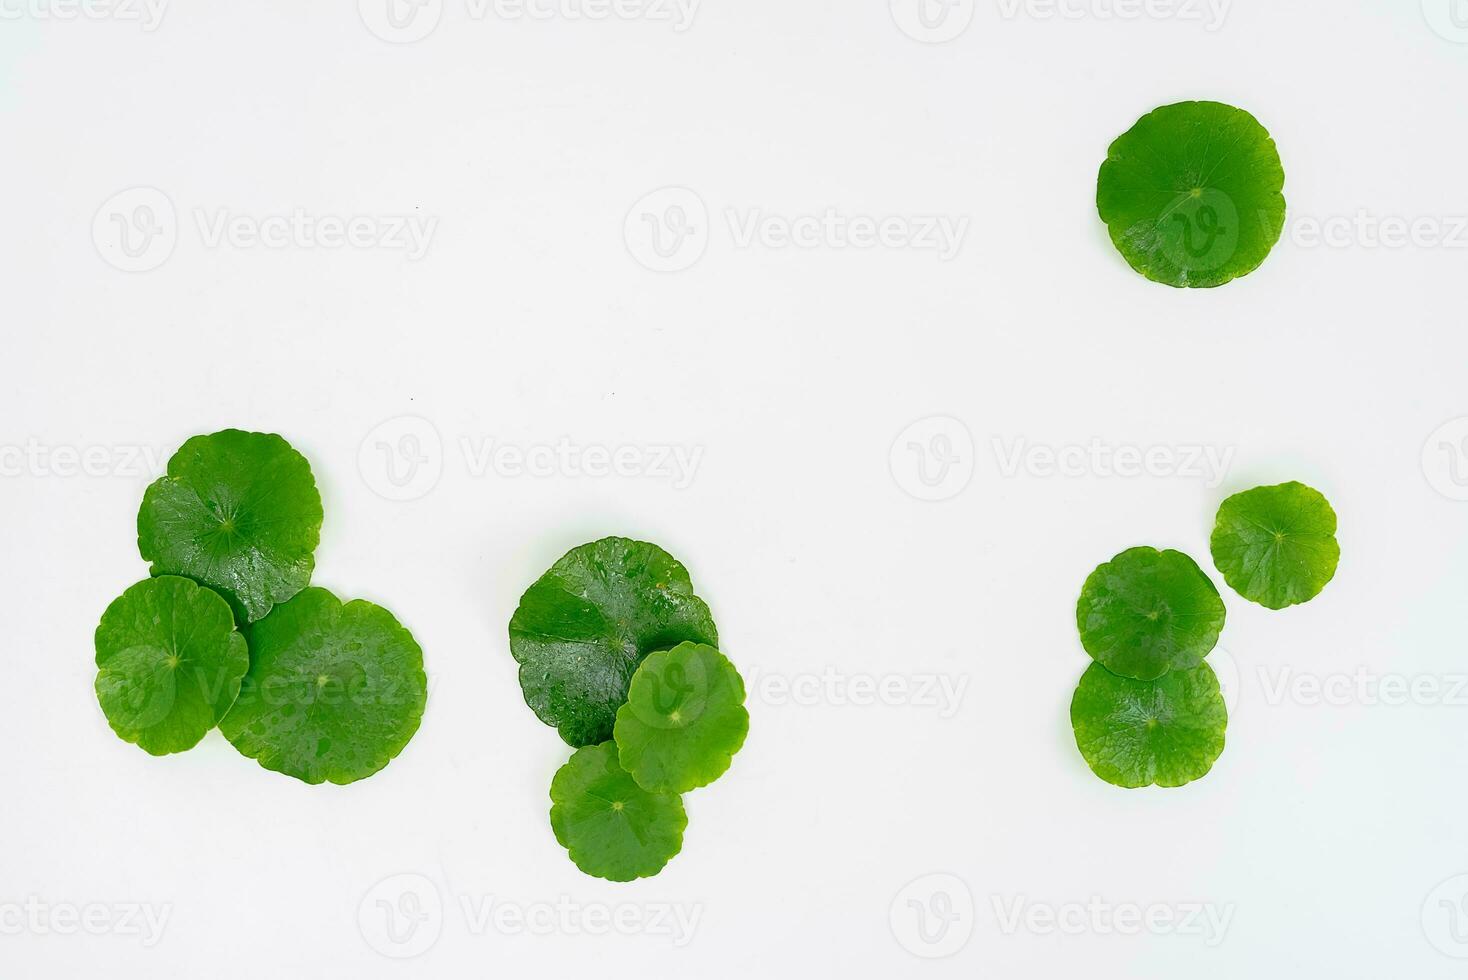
[335, 691]
[583, 628]
[238, 512]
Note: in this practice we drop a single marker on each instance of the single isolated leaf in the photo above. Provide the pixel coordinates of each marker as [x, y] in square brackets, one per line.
[238, 512]
[1165, 732]
[583, 628]
[684, 719]
[1192, 194]
[169, 663]
[1276, 545]
[1146, 612]
[334, 693]
[613, 828]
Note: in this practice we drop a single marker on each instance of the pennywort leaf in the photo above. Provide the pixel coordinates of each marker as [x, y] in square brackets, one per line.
[335, 690]
[1147, 612]
[1276, 545]
[582, 629]
[169, 663]
[1163, 732]
[1192, 194]
[683, 721]
[613, 828]
[238, 512]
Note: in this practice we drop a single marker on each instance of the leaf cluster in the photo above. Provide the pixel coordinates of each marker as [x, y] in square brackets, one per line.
[227, 633]
[621, 657]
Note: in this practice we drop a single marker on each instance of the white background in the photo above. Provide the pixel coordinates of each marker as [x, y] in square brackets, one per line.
[1325, 827]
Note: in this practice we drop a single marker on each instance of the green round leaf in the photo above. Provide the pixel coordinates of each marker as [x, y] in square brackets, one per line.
[583, 628]
[1276, 545]
[169, 663]
[1165, 732]
[334, 692]
[1146, 612]
[613, 828]
[1192, 194]
[238, 512]
[683, 721]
